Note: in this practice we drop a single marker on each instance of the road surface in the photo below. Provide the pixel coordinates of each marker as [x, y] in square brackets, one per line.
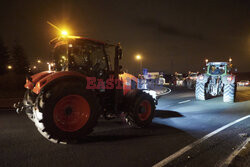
[185, 132]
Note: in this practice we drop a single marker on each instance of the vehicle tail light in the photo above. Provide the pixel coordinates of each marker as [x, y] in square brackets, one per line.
[229, 78]
[201, 77]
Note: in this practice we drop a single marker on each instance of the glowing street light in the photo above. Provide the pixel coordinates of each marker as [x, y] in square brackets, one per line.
[138, 57]
[49, 65]
[9, 67]
[206, 60]
[39, 61]
[34, 67]
[230, 59]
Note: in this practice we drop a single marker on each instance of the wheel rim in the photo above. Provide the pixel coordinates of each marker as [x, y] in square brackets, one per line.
[71, 113]
[144, 110]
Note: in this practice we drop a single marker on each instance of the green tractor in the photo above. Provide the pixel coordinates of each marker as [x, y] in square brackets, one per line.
[66, 101]
[218, 80]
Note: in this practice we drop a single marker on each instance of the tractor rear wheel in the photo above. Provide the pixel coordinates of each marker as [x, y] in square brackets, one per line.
[67, 114]
[141, 108]
[200, 91]
[229, 93]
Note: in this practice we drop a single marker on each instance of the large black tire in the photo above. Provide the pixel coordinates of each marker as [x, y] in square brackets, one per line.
[140, 108]
[200, 91]
[59, 114]
[229, 93]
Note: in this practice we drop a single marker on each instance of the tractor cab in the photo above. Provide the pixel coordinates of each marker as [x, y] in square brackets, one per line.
[83, 55]
[218, 68]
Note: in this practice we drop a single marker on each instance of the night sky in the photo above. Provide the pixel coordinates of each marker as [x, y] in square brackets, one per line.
[171, 35]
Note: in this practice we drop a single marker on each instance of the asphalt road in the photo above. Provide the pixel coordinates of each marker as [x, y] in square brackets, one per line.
[176, 137]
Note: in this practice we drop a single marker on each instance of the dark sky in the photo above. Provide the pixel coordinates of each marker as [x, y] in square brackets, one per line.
[171, 35]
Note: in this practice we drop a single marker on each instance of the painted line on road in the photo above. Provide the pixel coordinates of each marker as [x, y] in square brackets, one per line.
[235, 153]
[190, 146]
[184, 101]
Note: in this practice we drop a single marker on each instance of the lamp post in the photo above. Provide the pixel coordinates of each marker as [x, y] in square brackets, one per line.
[138, 57]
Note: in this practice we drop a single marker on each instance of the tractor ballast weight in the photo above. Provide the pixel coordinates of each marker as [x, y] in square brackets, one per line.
[218, 80]
[63, 105]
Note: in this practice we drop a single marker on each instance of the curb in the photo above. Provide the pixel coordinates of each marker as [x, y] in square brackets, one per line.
[164, 92]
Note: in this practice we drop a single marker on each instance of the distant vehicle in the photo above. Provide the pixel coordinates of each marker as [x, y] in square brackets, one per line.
[155, 77]
[179, 79]
[161, 80]
[243, 83]
[218, 80]
[190, 80]
[169, 79]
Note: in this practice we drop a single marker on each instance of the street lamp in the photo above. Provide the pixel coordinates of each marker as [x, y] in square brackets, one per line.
[138, 57]
[9, 67]
[39, 61]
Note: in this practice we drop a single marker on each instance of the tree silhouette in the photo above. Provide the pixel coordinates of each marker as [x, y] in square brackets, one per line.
[19, 59]
[4, 57]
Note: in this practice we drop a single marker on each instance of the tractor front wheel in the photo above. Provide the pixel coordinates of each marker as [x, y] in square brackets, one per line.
[141, 108]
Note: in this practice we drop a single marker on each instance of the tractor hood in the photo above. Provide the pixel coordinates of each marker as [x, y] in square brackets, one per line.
[38, 81]
[31, 81]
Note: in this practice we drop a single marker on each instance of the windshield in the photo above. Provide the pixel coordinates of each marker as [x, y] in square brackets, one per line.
[179, 76]
[83, 56]
[88, 56]
[193, 75]
[60, 58]
[217, 70]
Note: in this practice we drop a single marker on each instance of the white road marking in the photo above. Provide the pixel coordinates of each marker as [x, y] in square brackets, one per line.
[235, 153]
[184, 101]
[190, 146]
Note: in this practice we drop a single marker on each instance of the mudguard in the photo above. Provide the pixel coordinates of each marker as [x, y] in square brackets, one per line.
[40, 80]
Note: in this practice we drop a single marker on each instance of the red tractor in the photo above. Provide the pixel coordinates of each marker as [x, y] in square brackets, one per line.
[66, 102]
